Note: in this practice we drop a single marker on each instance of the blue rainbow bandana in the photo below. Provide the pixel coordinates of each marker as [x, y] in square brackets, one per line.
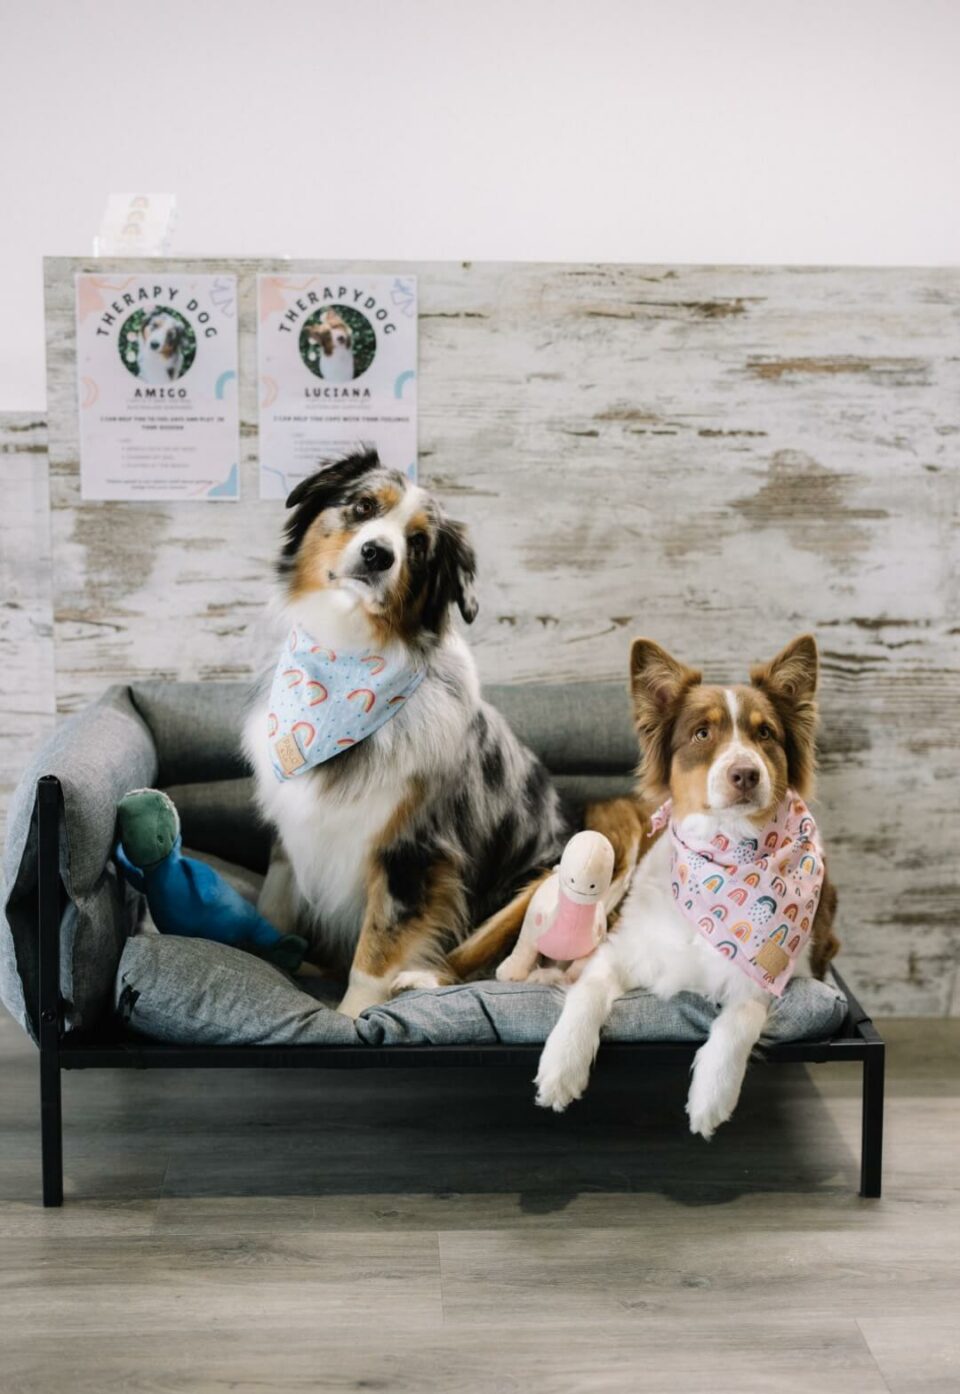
[322, 702]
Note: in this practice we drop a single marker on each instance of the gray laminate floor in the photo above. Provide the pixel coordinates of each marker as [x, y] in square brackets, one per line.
[419, 1231]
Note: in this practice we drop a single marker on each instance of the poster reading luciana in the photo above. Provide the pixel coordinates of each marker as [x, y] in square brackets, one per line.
[157, 378]
[338, 368]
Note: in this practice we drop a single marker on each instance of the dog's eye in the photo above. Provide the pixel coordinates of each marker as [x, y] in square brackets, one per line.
[764, 732]
[363, 508]
[702, 733]
[418, 546]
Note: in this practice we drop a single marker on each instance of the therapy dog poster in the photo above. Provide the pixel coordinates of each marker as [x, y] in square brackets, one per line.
[338, 368]
[157, 378]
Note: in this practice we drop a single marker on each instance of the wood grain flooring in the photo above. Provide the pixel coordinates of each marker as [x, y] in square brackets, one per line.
[424, 1233]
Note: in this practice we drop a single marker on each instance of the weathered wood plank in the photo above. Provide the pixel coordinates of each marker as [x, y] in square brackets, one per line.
[26, 624]
[717, 457]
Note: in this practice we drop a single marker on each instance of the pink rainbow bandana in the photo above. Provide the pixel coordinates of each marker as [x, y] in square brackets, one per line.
[322, 701]
[754, 900]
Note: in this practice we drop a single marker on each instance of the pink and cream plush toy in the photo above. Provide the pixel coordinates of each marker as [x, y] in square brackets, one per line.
[566, 919]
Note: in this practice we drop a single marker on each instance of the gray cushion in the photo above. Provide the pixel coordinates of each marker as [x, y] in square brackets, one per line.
[219, 817]
[97, 755]
[580, 728]
[197, 992]
[196, 728]
[520, 1013]
[194, 991]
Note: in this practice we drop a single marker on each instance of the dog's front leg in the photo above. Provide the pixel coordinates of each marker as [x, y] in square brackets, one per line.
[572, 1044]
[721, 1063]
[279, 898]
[396, 933]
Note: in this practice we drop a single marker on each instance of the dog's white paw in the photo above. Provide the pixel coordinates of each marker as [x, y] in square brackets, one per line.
[351, 1006]
[714, 1091]
[363, 991]
[548, 976]
[510, 971]
[413, 979]
[562, 1075]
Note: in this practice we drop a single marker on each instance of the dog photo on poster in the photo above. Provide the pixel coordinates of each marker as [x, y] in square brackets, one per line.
[338, 369]
[157, 382]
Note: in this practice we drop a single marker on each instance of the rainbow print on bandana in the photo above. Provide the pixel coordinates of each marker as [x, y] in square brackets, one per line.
[305, 732]
[323, 701]
[364, 696]
[767, 878]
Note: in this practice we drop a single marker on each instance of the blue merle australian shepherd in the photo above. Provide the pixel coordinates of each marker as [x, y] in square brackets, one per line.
[389, 855]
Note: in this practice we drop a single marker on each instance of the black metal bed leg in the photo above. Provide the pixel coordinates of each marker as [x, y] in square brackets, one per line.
[871, 1150]
[51, 1128]
[49, 1023]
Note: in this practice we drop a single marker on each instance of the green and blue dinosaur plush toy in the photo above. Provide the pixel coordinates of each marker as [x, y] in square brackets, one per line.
[186, 896]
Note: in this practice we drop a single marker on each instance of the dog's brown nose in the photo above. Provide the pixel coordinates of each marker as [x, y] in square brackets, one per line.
[744, 777]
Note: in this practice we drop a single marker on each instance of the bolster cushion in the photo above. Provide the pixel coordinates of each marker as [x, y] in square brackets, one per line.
[97, 755]
[195, 991]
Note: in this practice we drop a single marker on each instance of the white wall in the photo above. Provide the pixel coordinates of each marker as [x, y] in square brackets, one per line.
[767, 131]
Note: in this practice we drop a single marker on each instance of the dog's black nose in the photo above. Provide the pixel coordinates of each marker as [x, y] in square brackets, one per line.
[377, 556]
[744, 777]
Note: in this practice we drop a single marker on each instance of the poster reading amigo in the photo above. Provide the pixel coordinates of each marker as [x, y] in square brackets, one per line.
[338, 368]
[157, 377]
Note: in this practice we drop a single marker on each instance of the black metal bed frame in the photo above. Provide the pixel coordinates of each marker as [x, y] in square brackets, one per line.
[858, 1040]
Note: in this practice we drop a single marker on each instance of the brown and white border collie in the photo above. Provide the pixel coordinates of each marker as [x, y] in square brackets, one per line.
[333, 339]
[726, 756]
[389, 853]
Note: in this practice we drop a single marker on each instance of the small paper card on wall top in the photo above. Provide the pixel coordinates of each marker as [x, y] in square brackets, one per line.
[338, 370]
[157, 377]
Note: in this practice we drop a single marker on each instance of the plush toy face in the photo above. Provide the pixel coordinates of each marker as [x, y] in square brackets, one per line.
[586, 868]
[149, 826]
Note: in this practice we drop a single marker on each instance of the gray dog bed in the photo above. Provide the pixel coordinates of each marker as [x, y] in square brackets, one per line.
[183, 737]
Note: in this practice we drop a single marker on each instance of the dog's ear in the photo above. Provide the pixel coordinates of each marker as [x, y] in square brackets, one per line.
[328, 484]
[790, 682]
[453, 567]
[326, 488]
[658, 682]
[793, 674]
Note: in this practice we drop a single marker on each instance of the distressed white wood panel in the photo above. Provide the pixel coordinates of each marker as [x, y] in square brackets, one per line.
[26, 629]
[717, 457]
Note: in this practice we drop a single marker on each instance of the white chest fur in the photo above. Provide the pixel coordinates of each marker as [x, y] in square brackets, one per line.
[327, 837]
[338, 366]
[330, 828]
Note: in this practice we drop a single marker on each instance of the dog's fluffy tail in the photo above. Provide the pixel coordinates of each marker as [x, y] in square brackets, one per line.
[496, 936]
[622, 821]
